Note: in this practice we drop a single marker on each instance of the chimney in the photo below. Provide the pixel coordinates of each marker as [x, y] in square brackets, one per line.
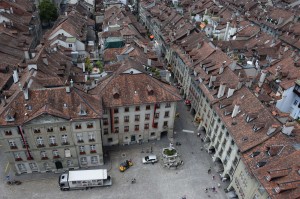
[221, 70]
[11, 10]
[221, 90]
[45, 60]
[4, 101]
[230, 92]
[26, 53]
[211, 80]
[66, 13]
[236, 110]
[83, 67]
[71, 83]
[15, 75]
[293, 53]
[68, 89]
[240, 84]
[149, 62]
[226, 31]
[288, 128]
[262, 77]
[26, 91]
[145, 49]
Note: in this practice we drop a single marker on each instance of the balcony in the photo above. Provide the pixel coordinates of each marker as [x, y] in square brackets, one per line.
[92, 140]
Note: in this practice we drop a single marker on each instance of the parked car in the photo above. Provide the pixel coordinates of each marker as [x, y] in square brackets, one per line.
[150, 159]
[125, 165]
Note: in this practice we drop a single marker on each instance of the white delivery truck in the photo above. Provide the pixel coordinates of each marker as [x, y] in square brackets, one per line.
[84, 179]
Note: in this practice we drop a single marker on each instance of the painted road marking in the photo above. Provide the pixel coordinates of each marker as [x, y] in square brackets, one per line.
[187, 131]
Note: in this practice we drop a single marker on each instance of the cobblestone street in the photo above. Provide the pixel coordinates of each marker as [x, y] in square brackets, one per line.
[152, 181]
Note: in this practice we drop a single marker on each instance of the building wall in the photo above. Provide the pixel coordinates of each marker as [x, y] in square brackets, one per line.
[39, 137]
[142, 134]
[289, 103]
[245, 184]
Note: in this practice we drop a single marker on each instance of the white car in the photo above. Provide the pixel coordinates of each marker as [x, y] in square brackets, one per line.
[150, 159]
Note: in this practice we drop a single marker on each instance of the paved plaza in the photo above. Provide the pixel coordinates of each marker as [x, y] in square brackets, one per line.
[152, 181]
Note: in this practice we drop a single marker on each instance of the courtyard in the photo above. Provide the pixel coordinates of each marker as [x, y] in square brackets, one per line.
[152, 180]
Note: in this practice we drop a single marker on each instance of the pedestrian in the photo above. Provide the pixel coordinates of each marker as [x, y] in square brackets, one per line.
[219, 185]
[213, 177]
[206, 190]
[213, 189]
[208, 171]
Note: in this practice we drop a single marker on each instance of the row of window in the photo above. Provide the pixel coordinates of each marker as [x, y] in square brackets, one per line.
[138, 108]
[47, 167]
[136, 118]
[136, 127]
[55, 153]
[52, 140]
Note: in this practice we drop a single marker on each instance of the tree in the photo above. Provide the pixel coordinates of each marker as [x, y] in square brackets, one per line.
[99, 64]
[48, 11]
[88, 65]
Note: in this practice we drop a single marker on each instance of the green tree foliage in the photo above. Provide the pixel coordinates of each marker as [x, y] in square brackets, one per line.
[88, 65]
[48, 11]
[99, 64]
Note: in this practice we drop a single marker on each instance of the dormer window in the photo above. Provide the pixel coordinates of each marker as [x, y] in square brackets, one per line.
[251, 117]
[62, 128]
[50, 129]
[150, 90]
[256, 127]
[81, 110]
[116, 93]
[10, 115]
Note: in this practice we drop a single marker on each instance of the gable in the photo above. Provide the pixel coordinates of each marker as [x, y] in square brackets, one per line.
[46, 118]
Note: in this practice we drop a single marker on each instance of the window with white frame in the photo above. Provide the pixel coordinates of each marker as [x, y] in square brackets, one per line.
[11, 143]
[47, 166]
[55, 153]
[79, 137]
[91, 136]
[64, 139]
[43, 154]
[52, 140]
[90, 125]
[94, 159]
[17, 155]
[33, 166]
[40, 141]
[93, 147]
[22, 167]
[81, 149]
[70, 163]
[83, 160]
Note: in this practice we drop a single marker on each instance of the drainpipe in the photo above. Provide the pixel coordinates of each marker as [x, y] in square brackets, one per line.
[24, 141]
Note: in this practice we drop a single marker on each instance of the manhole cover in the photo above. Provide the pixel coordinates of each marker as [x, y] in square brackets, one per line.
[123, 155]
